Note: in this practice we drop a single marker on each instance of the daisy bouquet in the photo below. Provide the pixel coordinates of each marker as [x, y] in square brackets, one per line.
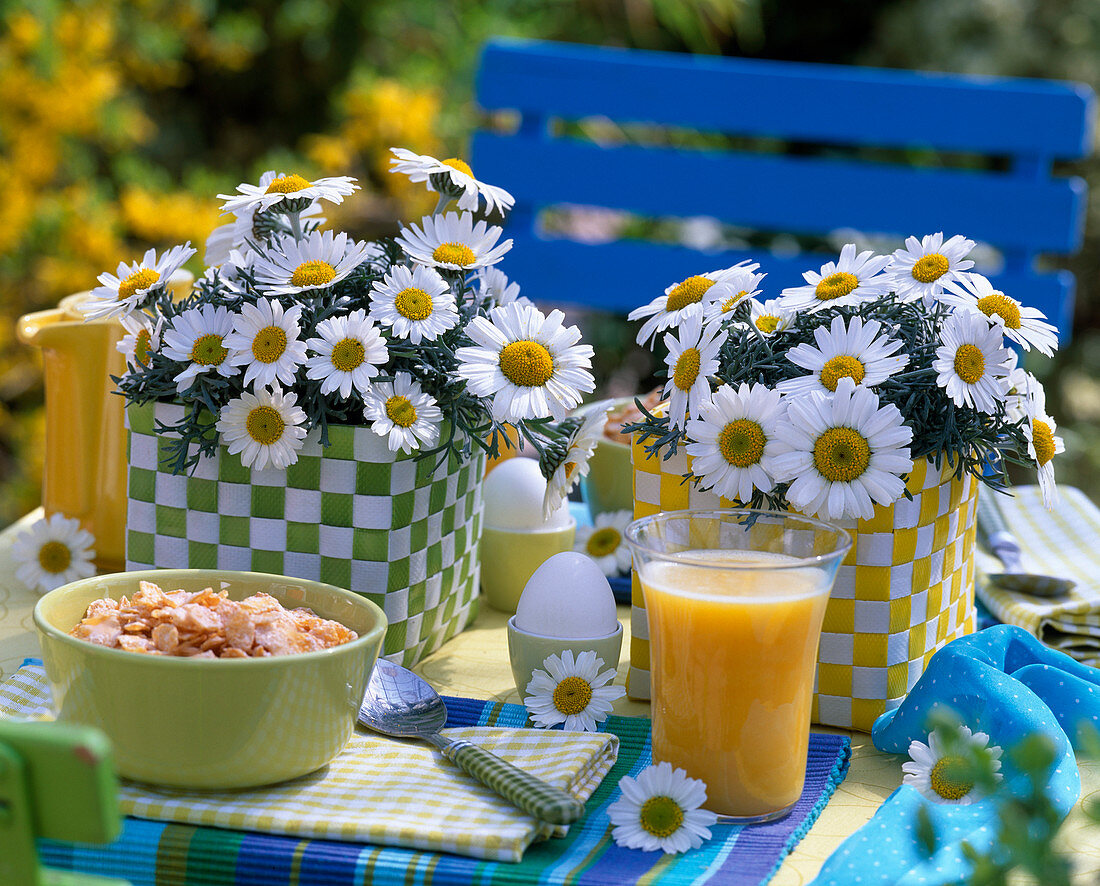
[294, 327]
[821, 398]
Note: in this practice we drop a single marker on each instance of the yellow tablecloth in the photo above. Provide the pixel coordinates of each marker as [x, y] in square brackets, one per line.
[475, 664]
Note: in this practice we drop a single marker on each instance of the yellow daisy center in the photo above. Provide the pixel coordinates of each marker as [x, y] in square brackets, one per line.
[269, 344]
[287, 184]
[208, 351]
[688, 292]
[603, 541]
[454, 254]
[526, 364]
[841, 455]
[137, 281]
[311, 274]
[929, 268]
[767, 323]
[54, 557]
[836, 285]
[460, 165]
[143, 346]
[1042, 438]
[687, 369]
[661, 816]
[413, 303]
[348, 354]
[741, 442]
[969, 363]
[572, 695]
[1000, 304]
[400, 411]
[948, 778]
[265, 425]
[841, 366]
[730, 303]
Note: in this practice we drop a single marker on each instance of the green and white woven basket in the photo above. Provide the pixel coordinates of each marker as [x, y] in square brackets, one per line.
[352, 514]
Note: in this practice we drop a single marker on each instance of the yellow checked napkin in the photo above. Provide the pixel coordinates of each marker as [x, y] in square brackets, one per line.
[1064, 542]
[379, 790]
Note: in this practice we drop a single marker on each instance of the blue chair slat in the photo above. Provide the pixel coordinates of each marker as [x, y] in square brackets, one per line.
[796, 194]
[812, 102]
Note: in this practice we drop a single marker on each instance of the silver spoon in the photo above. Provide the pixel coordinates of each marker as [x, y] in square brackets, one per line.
[400, 704]
[1003, 545]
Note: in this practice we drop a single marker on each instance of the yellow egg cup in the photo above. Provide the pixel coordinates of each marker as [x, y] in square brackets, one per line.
[527, 651]
[509, 558]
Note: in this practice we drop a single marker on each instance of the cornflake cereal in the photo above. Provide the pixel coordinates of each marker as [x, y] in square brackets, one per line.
[206, 625]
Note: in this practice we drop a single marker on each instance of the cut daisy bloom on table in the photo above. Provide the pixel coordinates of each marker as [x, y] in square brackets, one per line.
[316, 262]
[660, 809]
[1027, 327]
[850, 280]
[196, 338]
[280, 188]
[347, 354]
[134, 286]
[52, 552]
[693, 294]
[453, 242]
[266, 428]
[942, 775]
[734, 441]
[142, 338]
[924, 266]
[692, 360]
[574, 692]
[265, 340]
[527, 362]
[857, 351]
[574, 463]
[451, 178]
[416, 304]
[603, 541]
[842, 453]
[402, 413]
[972, 362]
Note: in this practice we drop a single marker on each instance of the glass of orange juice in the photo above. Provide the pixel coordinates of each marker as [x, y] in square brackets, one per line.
[735, 600]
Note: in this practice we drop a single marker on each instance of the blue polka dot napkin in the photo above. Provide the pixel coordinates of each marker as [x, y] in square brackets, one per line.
[1001, 681]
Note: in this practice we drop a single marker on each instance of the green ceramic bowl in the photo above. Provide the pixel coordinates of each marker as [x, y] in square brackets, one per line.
[609, 483]
[211, 723]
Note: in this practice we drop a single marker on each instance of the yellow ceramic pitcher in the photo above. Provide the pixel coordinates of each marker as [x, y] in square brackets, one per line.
[84, 474]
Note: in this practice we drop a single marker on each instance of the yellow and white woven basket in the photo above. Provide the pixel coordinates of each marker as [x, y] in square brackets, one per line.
[905, 589]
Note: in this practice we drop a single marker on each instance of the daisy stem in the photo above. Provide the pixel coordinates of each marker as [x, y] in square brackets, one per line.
[442, 204]
[295, 224]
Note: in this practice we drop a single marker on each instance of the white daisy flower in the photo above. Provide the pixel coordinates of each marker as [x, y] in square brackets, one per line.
[52, 552]
[1042, 443]
[681, 298]
[692, 360]
[265, 341]
[451, 178]
[454, 242]
[1025, 326]
[131, 286]
[660, 810]
[249, 226]
[402, 413]
[770, 317]
[197, 337]
[603, 541]
[923, 267]
[348, 352]
[842, 452]
[494, 286]
[266, 428]
[573, 692]
[417, 304]
[285, 190]
[856, 351]
[850, 280]
[972, 362]
[319, 260]
[734, 441]
[941, 776]
[574, 464]
[743, 286]
[142, 338]
[528, 363]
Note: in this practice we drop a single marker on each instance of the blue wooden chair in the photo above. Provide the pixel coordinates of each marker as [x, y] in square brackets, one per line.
[960, 154]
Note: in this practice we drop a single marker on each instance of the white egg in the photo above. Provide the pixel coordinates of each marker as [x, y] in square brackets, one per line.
[567, 597]
[513, 494]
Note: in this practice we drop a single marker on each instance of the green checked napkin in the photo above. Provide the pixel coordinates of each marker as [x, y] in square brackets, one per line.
[379, 790]
[1064, 542]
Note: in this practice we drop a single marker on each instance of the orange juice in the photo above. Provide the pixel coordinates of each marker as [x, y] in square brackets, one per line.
[732, 660]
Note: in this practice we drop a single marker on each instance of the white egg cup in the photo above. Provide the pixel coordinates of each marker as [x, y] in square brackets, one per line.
[528, 651]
